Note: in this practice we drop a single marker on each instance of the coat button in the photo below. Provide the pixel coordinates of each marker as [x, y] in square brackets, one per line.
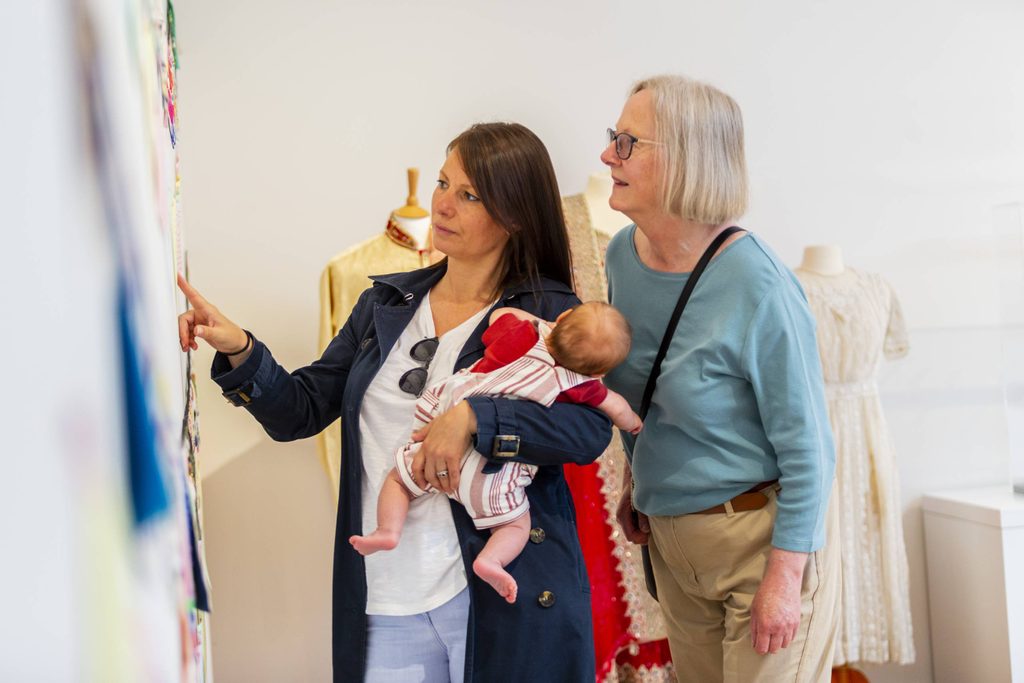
[546, 599]
[537, 535]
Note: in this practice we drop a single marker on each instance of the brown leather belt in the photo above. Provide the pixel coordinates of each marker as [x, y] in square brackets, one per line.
[751, 499]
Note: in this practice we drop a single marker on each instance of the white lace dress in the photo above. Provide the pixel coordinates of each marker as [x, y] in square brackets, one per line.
[859, 322]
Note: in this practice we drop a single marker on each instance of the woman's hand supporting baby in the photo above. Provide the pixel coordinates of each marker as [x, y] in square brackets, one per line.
[445, 441]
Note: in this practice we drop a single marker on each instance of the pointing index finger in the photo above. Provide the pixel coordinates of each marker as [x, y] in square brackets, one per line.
[190, 292]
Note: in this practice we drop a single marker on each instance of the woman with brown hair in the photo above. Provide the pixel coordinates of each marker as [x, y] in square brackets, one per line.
[418, 613]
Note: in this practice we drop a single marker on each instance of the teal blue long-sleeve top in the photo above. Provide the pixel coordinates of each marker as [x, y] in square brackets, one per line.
[740, 397]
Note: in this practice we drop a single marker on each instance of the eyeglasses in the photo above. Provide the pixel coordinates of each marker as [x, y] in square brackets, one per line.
[415, 380]
[624, 143]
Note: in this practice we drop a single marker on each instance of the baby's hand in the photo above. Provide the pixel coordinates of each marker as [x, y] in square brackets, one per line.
[621, 414]
[635, 429]
[631, 423]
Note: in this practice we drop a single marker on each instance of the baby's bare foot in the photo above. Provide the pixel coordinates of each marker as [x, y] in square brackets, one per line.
[378, 540]
[494, 574]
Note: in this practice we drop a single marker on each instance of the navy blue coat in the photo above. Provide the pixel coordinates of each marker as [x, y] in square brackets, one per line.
[546, 635]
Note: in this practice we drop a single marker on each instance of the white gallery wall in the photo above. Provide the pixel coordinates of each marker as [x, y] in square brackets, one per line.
[891, 129]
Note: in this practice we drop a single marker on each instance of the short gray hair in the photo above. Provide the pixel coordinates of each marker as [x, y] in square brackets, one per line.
[705, 170]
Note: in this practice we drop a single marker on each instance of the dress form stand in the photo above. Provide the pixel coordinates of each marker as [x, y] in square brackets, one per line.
[603, 218]
[629, 630]
[405, 244]
[859, 325]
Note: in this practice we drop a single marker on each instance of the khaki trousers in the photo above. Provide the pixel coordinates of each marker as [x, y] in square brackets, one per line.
[708, 568]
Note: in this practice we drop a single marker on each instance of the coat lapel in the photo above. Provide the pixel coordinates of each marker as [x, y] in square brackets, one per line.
[391, 318]
[390, 322]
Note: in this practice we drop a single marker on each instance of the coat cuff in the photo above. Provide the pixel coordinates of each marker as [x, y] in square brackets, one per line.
[243, 384]
[497, 436]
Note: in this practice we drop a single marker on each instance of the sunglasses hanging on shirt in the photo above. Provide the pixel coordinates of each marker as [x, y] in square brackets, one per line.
[415, 380]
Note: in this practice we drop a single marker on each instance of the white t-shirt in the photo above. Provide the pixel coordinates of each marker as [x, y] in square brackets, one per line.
[425, 570]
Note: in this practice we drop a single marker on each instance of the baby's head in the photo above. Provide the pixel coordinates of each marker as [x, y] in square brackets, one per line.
[590, 339]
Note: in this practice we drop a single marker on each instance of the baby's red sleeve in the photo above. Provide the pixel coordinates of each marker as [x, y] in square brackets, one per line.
[507, 339]
[591, 393]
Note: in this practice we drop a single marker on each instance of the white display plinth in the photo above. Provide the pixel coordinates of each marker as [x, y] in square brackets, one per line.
[975, 550]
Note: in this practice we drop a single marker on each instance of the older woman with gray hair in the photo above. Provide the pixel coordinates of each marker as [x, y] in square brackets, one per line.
[730, 479]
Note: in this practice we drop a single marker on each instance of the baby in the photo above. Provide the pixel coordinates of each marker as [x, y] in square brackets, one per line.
[525, 358]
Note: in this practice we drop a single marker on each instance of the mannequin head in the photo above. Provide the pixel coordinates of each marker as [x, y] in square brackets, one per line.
[515, 183]
[823, 259]
[416, 229]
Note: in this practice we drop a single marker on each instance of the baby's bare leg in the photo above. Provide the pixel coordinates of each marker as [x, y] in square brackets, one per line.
[504, 545]
[392, 509]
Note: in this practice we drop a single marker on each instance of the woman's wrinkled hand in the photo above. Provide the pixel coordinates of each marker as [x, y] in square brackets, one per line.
[204, 321]
[444, 441]
[775, 612]
[634, 523]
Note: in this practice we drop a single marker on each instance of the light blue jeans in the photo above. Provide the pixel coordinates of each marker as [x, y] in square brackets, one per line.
[419, 648]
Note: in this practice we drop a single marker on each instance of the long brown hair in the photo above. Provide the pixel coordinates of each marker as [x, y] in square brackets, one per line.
[512, 174]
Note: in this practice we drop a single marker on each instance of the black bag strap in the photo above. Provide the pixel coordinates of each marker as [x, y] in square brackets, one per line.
[673, 321]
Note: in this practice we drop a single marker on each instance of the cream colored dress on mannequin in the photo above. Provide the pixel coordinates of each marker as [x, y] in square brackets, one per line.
[859, 323]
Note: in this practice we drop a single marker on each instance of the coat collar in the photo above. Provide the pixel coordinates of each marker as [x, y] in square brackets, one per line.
[415, 284]
[413, 287]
